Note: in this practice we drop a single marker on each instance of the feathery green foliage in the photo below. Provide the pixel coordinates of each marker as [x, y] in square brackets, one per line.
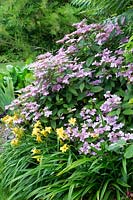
[31, 27]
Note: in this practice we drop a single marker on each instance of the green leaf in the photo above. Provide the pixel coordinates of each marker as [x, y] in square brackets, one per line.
[124, 164]
[73, 91]
[61, 111]
[98, 195]
[122, 183]
[81, 87]
[128, 112]
[104, 190]
[81, 96]
[107, 194]
[131, 101]
[53, 124]
[74, 165]
[89, 61]
[57, 98]
[115, 112]
[70, 192]
[68, 97]
[118, 188]
[96, 89]
[116, 146]
[129, 152]
[118, 195]
[88, 188]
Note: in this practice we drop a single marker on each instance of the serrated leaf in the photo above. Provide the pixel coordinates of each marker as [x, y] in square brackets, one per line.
[129, 152]
[128, 112]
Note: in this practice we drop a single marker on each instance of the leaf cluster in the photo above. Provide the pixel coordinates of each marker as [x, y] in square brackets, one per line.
[65, 176]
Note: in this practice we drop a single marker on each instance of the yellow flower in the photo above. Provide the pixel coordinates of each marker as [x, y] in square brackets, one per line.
[18, 131]
[37, 124]
[35, 131]
[72, 121]
[61, 133]
[38, 138]
[36, 151]
[38, 158]
[15, 142]
[44, 133]
[94, 135]
[64, 148]
[15, 117]
[48, 129]
[7, 119]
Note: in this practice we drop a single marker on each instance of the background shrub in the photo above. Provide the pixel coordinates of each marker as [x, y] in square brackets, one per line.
[29, 27]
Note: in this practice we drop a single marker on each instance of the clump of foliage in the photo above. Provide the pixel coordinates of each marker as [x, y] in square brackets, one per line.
[6, 92]
[20, 75]
[72, 126]
[28, 27]
[12, 78]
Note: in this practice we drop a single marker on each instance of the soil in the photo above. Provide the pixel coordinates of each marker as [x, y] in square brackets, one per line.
[4, 133]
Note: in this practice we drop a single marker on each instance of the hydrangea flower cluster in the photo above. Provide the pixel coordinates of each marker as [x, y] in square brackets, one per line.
[97, 128]
[79, 83]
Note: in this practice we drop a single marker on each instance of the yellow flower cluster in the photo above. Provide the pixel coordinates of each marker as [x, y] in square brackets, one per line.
[61, 133]
[38, 131]
[62, 136]
[18, 132]
[10, 119]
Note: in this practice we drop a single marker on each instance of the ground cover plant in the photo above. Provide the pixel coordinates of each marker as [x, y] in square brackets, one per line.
[72, 126]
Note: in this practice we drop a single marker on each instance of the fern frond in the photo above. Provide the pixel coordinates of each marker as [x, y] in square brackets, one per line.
[105, 7]
[81, 3]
